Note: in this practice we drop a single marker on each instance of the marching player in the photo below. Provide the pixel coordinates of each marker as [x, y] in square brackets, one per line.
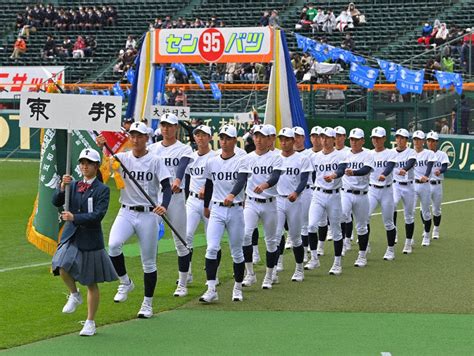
[224, 194]
[436, 180]
[355, 186]
[172, 151]
[263, 169]
[404, 190]
[136, 216]
[293, 180]
[423, 166]
[380, 187]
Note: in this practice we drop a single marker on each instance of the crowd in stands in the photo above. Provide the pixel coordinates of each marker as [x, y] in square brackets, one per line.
[126, 56]
[84, 46]
[181, 22]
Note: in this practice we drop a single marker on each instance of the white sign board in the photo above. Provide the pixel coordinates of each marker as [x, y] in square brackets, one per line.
[69, 111]
[182, 112]
[243, 117]
[16, 79]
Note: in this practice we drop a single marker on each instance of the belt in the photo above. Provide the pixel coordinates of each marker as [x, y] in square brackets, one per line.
[227, 206]
[419, 181]
[327, 191]
[139, 208]
[194, 195]
[380, 186]
[356, 192]
[269, 200]
[434, 182]
[404, 183]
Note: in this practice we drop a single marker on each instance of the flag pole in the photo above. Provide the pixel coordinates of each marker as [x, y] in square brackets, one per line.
[68, 168]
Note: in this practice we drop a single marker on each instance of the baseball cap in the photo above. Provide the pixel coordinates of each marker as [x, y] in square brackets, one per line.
[316, 130]
[272, 129]
[357, 133]
[228, 130]
[263, 129]
[328, 131]
[419, 134]
[203, 128]
[402, 132]
[89, 154]
[298, 131]
[378, 132]
[139, 127]
[432, 136]
[169, 118]
[286, 132]
[340, 130]
[128, 119]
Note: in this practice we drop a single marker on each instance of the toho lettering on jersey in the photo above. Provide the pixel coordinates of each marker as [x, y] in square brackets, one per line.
[402, 159]
[259, 168]
[381, 161]
[441, 158]
[422, 159]
[292, 167]
[356, 162]
[196, 169]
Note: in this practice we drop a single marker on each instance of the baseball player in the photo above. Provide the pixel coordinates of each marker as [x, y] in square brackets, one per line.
[380, 187]
[436, 180]
[172, 151]
[194, 170]
[404, 190]
[355, 186]
[136, 216]
[425, 160]
[326, 196]
[223, 205]
[296, 170]
[263, 169]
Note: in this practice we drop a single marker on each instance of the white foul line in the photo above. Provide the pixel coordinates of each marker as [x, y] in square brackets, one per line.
[47, 263]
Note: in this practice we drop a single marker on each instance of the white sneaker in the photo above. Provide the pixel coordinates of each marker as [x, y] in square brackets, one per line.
[146, 311]
[336, 269]
[312, 264]
[435, 234]
[210, 296]
[279, 266]
[320, 250]
[88, 329]
[249, 280]
[426, 240]
[288, 244]
[389, 255]
[298, 276]
[73, 301]
[360, 262]
[267, 283]
[407, 249]
[181, 291]
[189, 279]
[237, 295]
[255, 257]
[122, 292]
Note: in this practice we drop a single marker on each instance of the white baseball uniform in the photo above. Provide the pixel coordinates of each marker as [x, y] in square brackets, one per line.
[306, 194]
[403, 187]
[436, 185]
[422, 190]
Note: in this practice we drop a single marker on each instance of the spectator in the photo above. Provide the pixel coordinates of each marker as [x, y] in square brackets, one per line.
[344, 20]
[171, 100]
[430, 66]
[264, 19]
[181, 98]
[441, 35]
[171, 76]
[303, 22]
[425, 35]
[329, 22]
[111, 15]
[131, 42]
[128, 59]
[49, 48]
[118, 67]
[455, 37]
[447, 64]
[318, 20]
[465, 112]
[217, 71]
[79, 46]
[260, 71]
[348, 43]
[65, 50]
[20, 21]
[444, 127]
[91, 46]
[274, 20]
[467, 54]
[355, 14]
[19, 47]
[29, 27]
[311, 13]
[229, 72]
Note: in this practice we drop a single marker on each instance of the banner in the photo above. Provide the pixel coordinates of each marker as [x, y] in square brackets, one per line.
[198, 79]
[363, 75]
[182, 112]
[223, 45]
[216, 92]
[389, 69]
[447, 79]
[17, 79]
[410, 81]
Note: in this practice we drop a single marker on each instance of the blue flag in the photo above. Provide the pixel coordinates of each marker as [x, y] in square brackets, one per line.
[410, 81]
[130, 75]
[198, 79]
[82, 90]
[106, 92]
[447, 79]
[319, 51]
[216, 92]
[389, 69]
[159, 86]
[117, 90]
[128, 92]
[303, 42]
[363, 75]
[94, 92]
[180, 68]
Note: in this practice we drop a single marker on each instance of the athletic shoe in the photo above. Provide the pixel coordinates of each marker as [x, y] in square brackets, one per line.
[210, 296]
[279, 266]
[267, 283]
[88, 329]
[249, 280]
[73, 300]
[312, 264]
[426, 240]
[122, 292]
[189, 280]
[329, 235]
[237, 295]
[298, 276]
[255, 257]
[320, 250]
[336, 269]
[181, 291]
[407, 249]
[435, 234]
[389, 255]
[305, 257]
[288, 244]
[360, 262]
[146, 311]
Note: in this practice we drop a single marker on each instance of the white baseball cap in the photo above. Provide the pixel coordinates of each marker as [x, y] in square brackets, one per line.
[419, 134]
[357, 133]
[169, 118]
[298, 131]
[272, 129]
[316, 130]
[203, 128]
[402, 132]
[89, 154]
[286, 132]
[139, 127]
[378, 132]
[340, 130]
[265, 130]
[328, 131]
[228, 130]
[432, 135]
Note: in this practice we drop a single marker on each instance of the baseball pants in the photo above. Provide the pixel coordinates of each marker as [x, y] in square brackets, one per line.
[322, 205]
[177, 218]
[358, 204]
[267, 212]
[436, 191]
[290, 212]
[194, 215]
[423, 193]
[405, 193]
[384, 198]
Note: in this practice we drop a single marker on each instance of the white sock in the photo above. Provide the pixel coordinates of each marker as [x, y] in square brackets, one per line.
[238, 285]
[362, 254]
[337, 260]
[124, 279]
[255, 249]
[190, 269]
[183, 278]
[280, 259]
[320, 244]
[269, 272]
[314, 255]
[90, 322]
[391, 248]
[148, 300]
[299, 267]
[347, 240]
[76, 293]
[249, 268]
[211, 284]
